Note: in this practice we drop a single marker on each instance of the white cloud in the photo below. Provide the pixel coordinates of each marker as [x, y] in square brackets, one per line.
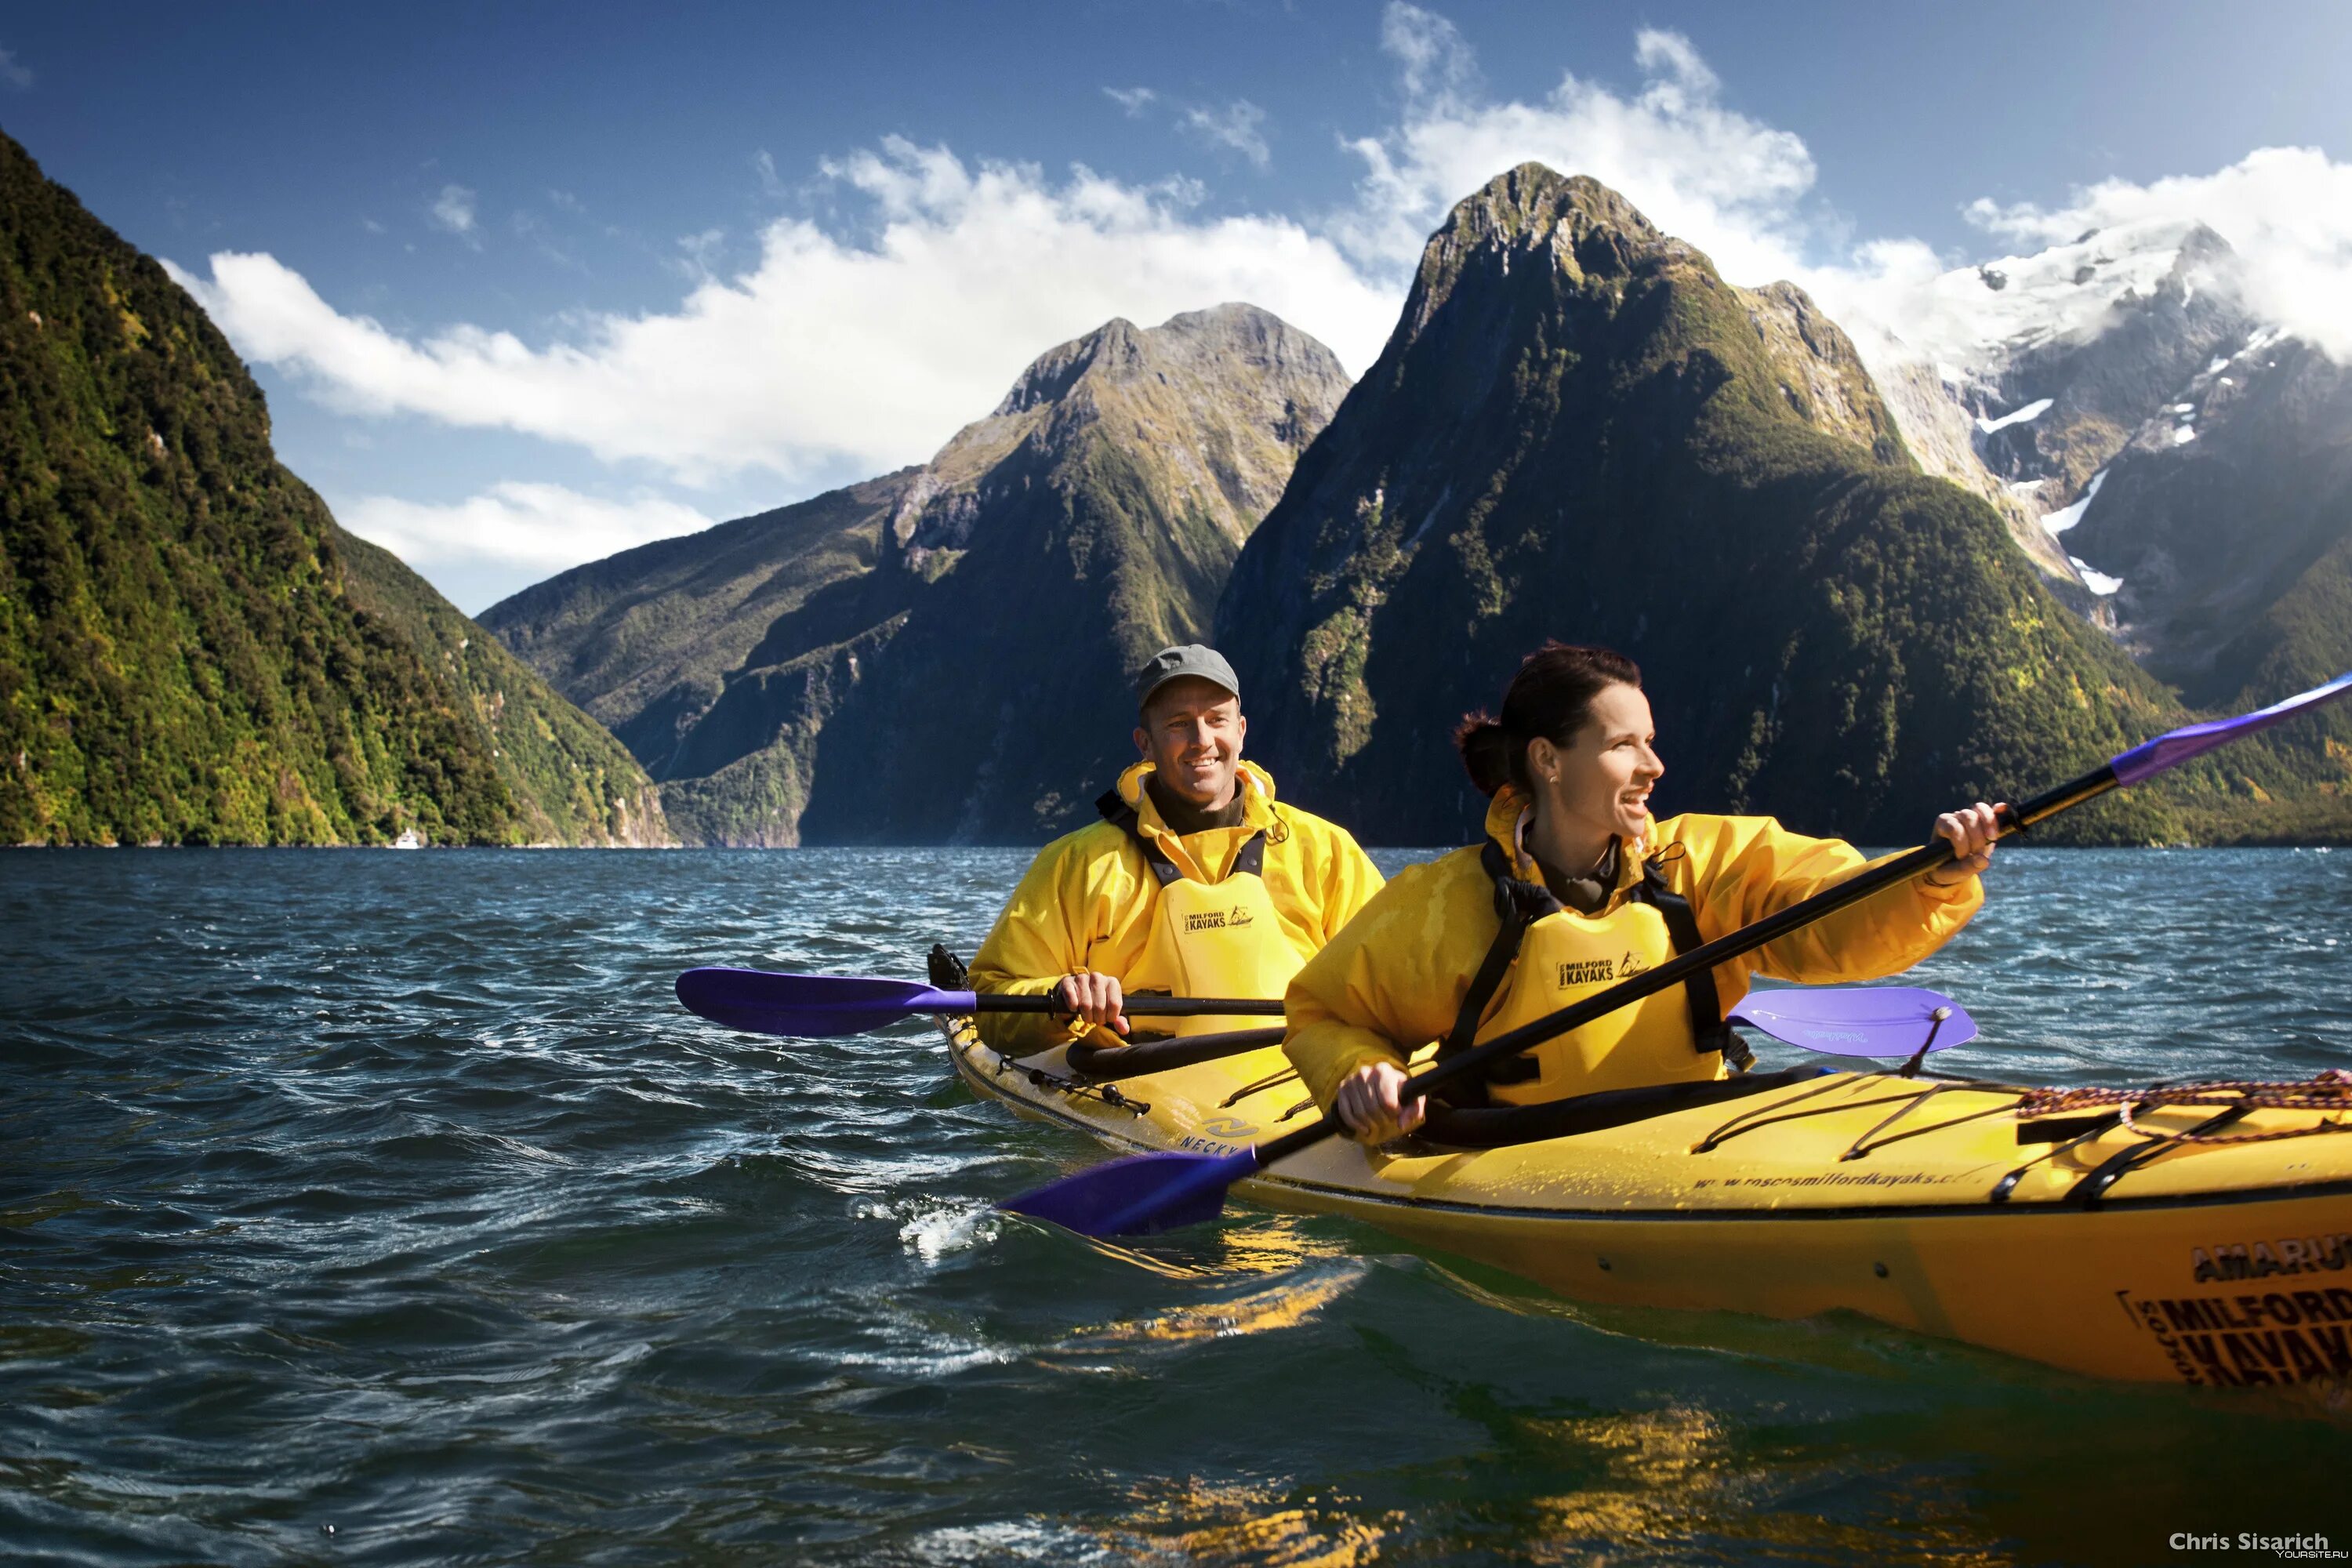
[13, 72]
[1728, 183]
[1134, 99]
[1676, 63]
[826, 351]
[862, 346]
[1237, 126]
[512, 533]
[454, 209]
[1436, 67]
[829, 352]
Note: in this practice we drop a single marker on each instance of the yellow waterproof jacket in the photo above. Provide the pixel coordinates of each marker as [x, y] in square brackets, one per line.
[1087, 900]
[1394, 981]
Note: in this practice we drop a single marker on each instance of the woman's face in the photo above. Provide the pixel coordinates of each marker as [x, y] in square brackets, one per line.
[1600, 781]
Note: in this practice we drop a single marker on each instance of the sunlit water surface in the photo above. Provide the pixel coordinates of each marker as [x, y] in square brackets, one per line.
[385, 1208]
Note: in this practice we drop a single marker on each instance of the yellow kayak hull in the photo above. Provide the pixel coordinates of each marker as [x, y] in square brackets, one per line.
[2215, 1263]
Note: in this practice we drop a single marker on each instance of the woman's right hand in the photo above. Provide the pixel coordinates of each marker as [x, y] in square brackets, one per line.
[1370, 1105]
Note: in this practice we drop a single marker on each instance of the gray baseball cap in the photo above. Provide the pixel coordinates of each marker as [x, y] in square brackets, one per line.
[1174, 663]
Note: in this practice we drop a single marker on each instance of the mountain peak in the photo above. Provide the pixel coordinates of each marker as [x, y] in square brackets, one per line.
[2034, 372]
[1535, 199]
[1589, 229]
[1118, 349]
[1982, 318]
[1577, 226]
[1247, 389]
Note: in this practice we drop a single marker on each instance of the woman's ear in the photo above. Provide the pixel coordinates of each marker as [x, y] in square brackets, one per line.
[1543, 761]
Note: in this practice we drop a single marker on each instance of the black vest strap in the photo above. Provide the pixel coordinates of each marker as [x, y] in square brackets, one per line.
[1708, 1030]
[1250, 861]
[1519, 904]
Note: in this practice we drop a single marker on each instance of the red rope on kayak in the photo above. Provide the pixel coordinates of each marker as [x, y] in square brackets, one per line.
[2330, 1095]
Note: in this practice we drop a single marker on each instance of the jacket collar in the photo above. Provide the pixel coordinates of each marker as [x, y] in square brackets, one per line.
[1256, 787]
[1508, 816]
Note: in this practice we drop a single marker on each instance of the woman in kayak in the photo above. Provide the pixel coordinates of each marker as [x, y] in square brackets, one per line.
[1576, 888]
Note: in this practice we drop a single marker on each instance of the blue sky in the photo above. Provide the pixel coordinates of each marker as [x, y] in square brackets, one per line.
[527, 284]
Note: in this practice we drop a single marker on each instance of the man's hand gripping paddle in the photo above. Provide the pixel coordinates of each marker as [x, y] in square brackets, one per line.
[1150, 1192]
[814, 1005]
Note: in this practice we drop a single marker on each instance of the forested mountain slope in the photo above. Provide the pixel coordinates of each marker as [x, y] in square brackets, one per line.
[191, 651]
[1580, 431]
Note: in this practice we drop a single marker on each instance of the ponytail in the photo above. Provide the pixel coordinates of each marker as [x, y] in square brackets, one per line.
[1485, 751]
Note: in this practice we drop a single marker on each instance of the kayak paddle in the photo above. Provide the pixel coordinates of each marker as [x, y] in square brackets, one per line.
[1858, 1020]
[814, 1005]
[1148, 1193]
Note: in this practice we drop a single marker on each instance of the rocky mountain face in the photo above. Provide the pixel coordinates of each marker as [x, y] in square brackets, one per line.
[2222, 505]
[2225, 528]
[1580, 431]
[2192, 461]
[191, 650]
[958, 635]
[716, 658]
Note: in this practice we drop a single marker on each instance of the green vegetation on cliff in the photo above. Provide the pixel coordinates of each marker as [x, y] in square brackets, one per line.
[1580, 431]
[191, 651]
[570, 781]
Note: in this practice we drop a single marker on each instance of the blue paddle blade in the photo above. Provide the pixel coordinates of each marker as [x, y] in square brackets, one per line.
[1139, 1196]
[1858, 1021]
[2170, 750]
[810, 1005]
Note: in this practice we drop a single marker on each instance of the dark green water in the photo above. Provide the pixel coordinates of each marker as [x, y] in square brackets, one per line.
[384, 1208]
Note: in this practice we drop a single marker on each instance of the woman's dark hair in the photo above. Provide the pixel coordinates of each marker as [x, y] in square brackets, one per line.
[1551, 696]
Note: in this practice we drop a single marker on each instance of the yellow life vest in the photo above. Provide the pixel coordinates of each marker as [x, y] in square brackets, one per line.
[1208, 939]
[1559, 957]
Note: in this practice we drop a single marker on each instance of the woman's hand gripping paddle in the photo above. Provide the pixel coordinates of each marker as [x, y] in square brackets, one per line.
[1151, 1193]
[816, 1006]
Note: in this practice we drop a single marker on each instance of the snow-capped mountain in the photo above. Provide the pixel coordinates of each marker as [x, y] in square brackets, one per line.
[2019, 378]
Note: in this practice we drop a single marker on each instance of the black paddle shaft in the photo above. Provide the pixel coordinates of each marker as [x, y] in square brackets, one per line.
[1140, 1006]
[1804, 912]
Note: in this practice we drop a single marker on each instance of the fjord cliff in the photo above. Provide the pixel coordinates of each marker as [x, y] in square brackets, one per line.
[191, 650]
[953, 639]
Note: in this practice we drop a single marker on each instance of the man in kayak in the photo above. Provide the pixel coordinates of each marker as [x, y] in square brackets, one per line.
[1578, 887]
[1196, 883]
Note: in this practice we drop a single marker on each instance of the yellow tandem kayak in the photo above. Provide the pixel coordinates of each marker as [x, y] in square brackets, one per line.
[2199, 1236]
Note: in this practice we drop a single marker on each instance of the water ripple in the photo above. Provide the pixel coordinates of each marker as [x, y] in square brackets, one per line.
[386, 1206]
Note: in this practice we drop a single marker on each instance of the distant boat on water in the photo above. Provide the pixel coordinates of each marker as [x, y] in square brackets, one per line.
[408, 840]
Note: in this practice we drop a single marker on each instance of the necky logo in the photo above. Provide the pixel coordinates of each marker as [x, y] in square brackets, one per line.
[1629, 965]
